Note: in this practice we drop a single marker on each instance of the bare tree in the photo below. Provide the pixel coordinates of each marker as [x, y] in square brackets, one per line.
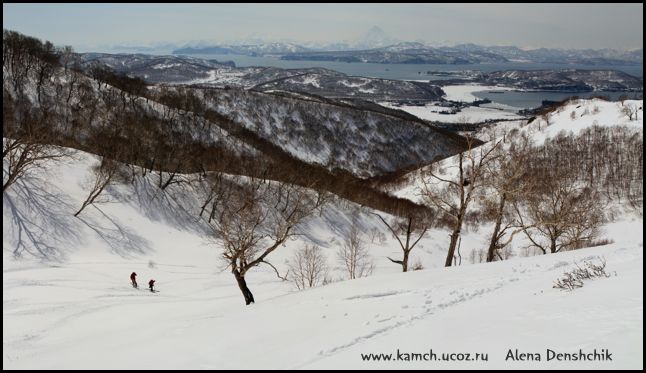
[27, 129]
[68, 58]
[257, 218]
[353, 255]
[451, 191]
[217, 191]
[622, 99]
[23, 155]
[506, 180]
[559, 214]
[21, 55]
[103, 176]
[25, 145]
[308, 267]
[376, 236]
[407, 227]
[630, 110]
[48, 61]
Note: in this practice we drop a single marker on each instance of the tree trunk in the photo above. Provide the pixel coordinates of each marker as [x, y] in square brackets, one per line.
[242, 284]
[204, 207]
[454, 240]
[494, 237]
[9, 181]
[405, 261]
[81, 209]
[452, 245]
[167, 183]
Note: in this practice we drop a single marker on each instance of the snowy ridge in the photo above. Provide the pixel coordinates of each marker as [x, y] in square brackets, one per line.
[589, 113]
[414, 52]
[247, 49]
[320, 81]
[100, 97]
[363, 142]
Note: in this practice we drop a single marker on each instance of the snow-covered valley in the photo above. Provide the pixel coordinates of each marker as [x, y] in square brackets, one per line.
[309, 219]
[80, 312]
[67, 301]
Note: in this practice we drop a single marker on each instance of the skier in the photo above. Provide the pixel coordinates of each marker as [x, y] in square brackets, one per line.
[134, 281]
[151, 283]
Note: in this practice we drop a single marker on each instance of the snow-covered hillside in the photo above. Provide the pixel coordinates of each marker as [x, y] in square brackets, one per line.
[582, 114]
[312, 130]
[316, 80]
[67, 298]
[571, 118]
[464, 93]
[67, 301]
[435, 112]
[83, 315]
[366, 143]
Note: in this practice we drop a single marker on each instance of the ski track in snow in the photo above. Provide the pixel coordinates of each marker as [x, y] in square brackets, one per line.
[427, 309]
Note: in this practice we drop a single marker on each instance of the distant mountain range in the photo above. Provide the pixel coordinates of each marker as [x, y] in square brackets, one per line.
[318, 81]
[248, 50]
[567, 80]
[333, 84]
[376, 46]
[547, 55]
[419, 53]
[406, 52]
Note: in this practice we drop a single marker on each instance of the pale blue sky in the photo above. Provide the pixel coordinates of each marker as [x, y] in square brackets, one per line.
[91, 26]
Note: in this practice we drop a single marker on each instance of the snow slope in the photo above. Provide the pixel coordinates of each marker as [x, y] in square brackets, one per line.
[70, 305]
[470, 114]
[364, 142]
[464, 93]
[587, 113]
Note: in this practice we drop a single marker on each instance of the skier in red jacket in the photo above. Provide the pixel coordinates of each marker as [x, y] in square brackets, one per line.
[151, 283]
[133, 279]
